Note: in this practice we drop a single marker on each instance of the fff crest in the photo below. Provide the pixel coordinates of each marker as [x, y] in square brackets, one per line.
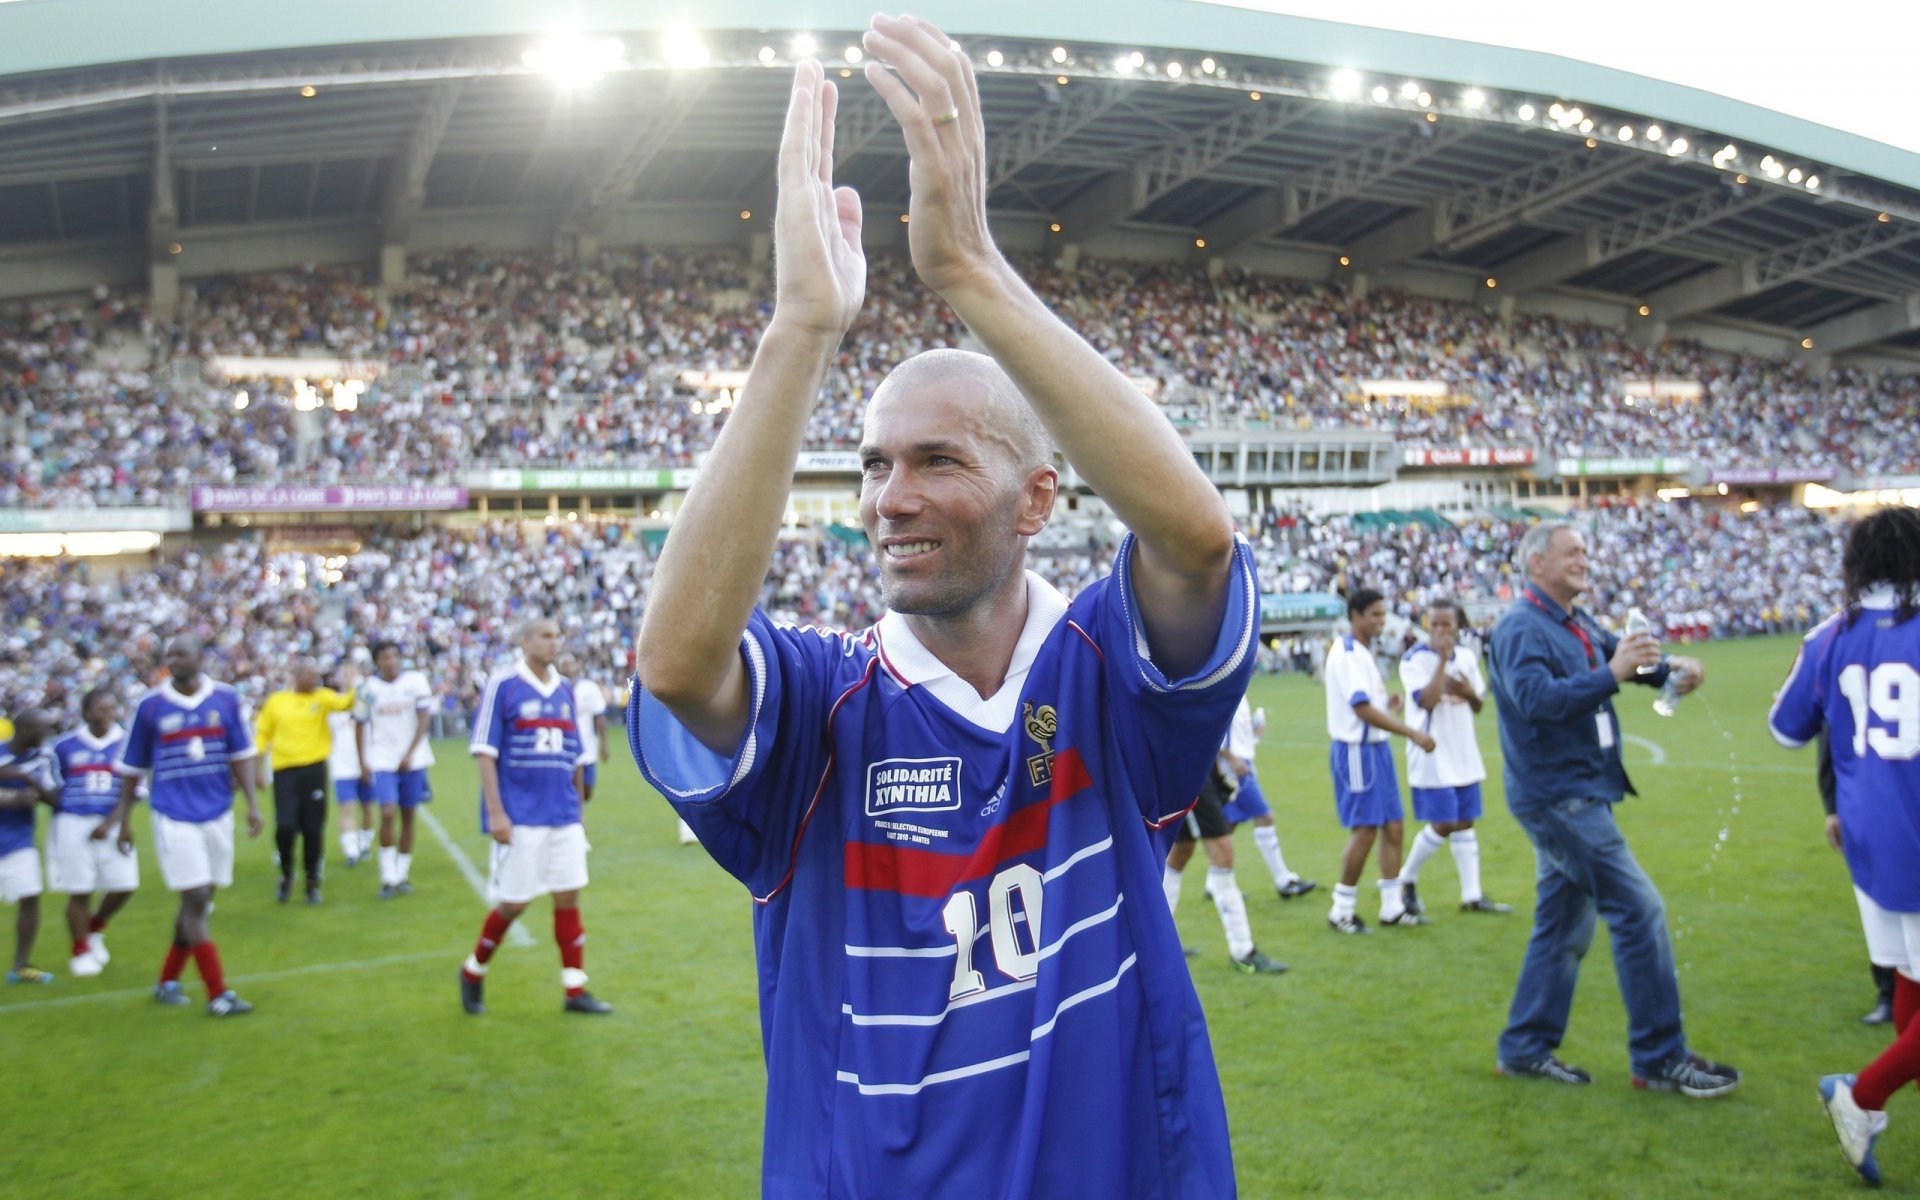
[1041, 724]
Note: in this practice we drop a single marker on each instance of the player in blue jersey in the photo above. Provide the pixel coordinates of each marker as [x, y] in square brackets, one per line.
[526, 744]
[79, 864]
[27, 781]
[953, 823]
[190, 739]
[1858, 677]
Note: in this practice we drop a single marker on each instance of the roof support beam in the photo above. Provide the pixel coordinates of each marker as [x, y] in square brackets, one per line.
[1646, 229]
[612, 182]
[1867, 326]
[1048, 126]
[1346, 177]
[407, 188]
[1458, 221]
[1173, 163]
[1764, 272]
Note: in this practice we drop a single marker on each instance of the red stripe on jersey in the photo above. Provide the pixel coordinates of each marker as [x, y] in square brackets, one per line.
[1075, 626]
[181, 735]
[91, 769]
[541, 723]
[885, 866]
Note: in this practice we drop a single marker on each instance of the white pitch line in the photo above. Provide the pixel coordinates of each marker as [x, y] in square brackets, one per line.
[1652, 747]
[365, 964]
[516, 933]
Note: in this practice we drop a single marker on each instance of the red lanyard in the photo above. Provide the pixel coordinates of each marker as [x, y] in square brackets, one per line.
[1572, 625]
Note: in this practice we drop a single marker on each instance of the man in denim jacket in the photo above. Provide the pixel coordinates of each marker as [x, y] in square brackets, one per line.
[1554, 674]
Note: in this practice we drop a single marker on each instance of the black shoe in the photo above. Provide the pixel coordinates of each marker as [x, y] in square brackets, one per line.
[285, 890]
[1405, 919]
[585, 1003]
[1296, 887]
[1410, 896]
[1190, 951]
[386, 891]
[472, 996]
[1691, 1075]
[1549, 1068]
[1256, 963]
[1351, 923]
[313, 893]
[1485, 905]
[1879, 1014]
[403, 888]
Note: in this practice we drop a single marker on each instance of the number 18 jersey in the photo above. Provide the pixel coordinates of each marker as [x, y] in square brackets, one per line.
[970, 982]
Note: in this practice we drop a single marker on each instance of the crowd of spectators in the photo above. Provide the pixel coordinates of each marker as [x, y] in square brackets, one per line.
[453, 595]
[510, 359]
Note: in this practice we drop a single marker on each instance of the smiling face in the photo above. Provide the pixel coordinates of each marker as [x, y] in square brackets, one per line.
[1369, 621]
[948, 493]
[1561, 569]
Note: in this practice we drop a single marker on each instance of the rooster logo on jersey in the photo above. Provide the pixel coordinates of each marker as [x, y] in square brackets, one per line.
[1041, 724]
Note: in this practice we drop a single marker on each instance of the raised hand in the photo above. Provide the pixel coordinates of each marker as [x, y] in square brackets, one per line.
[932, 93]
[820, 271]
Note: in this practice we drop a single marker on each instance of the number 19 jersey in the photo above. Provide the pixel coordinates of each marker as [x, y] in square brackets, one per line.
[970, 982]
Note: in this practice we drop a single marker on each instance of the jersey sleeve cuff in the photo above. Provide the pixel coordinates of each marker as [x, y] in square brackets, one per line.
[481, 749]
[1239, 626]
[683, 768]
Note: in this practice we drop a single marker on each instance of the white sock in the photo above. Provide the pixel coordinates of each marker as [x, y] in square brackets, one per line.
[1233, 910]
[1392, 903]
[366, 842]
[388, 869]
[1466, 859]
[402, 867]
[1267, 839]
[1343, 901]
[1170, 884]
[1425, 846]
[474, 966]
[349, 843]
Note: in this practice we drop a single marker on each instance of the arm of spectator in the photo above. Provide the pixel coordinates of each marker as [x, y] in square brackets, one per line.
[711, 570]
[1111, 433]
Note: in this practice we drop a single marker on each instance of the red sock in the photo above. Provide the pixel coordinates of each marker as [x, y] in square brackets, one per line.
[572, 937]
[1906, 1001]
[177, 956]
[491, 934]
[208, 960]
[1899, 1065]
[97, 925]
[80, 947]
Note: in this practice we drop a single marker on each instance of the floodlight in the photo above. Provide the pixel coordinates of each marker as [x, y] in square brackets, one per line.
[1344, 83]
[805, 46]
[572, 58]
[1380, 95]
[1526, 112]
[995, 58]
[1474, 99]
[1409, 90]
[684, 49]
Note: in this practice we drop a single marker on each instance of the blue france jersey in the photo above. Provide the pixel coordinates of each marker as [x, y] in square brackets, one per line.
[970, 984]
[88, 785]
[1861, 680]
[16, 824]
[530, 729]
[189, 745]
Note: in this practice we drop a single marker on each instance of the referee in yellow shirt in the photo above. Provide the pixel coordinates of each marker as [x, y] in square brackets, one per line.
[292, 732]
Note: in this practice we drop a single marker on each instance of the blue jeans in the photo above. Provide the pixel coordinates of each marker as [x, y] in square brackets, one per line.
[1585, 869]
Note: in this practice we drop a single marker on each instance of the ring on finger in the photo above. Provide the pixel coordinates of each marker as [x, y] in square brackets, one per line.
[947, 119]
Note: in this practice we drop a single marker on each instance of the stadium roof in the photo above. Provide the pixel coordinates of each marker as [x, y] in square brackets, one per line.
[132, 123]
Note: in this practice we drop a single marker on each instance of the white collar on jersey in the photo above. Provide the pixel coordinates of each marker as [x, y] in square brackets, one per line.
[176, 696]
[914, 665]
[100, 743]
[1880, 595]
[547, 686]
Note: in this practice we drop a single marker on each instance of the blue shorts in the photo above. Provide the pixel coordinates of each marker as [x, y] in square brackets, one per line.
[349, 791]
[1447, 804]
[1366, 789]
[1247, 802]
[410, 790]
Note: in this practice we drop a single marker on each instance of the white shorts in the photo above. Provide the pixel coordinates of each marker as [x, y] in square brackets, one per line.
[19, 875]
[194, 853]
[77, 865]
[1893, 938]
[540, 859]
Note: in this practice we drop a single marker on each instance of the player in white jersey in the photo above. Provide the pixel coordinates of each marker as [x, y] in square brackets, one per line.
[590, 706]
[343, 768]
[394, 713]
[1443, 681]
[1366, 791]
[1248, 803]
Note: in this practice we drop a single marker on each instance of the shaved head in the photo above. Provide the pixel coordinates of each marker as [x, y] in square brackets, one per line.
[978, 381]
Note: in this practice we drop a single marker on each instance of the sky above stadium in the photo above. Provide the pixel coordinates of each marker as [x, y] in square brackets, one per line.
[1847, 64]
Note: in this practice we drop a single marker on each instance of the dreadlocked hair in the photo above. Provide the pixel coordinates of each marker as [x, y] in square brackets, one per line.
[1884, 550]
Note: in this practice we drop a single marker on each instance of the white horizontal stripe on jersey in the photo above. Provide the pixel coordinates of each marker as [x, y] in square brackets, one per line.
[1082, 925]
[1078, 857]
[992, 1064]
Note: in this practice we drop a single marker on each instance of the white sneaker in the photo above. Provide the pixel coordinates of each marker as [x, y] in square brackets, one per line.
[97, 946]
[687, 837]
[82, 966]
[1856, 1127]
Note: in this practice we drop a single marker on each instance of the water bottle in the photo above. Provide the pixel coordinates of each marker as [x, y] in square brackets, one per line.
[1637, 622]
[1669, 698]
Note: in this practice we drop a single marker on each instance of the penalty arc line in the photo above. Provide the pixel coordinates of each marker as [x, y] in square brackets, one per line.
[1652, 747]
[516, 933]
[365, 964]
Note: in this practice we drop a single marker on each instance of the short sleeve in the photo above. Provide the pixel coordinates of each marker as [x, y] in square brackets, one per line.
[422, 692]
[136, 755]
[748, 807]
[1344, 679]
[1417, 669]
[240, 740]
[490, 722]
[1799, 710]
[1165, 733]
[363, 703]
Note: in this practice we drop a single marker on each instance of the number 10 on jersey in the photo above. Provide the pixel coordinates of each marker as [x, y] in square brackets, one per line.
[1015, 896]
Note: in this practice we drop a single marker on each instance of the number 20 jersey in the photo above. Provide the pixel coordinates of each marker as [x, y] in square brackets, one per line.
[970, 982]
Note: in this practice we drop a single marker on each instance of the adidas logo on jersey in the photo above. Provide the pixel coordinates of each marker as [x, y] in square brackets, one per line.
[915, 784]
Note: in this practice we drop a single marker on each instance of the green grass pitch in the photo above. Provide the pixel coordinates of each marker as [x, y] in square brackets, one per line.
[1365, 1071]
